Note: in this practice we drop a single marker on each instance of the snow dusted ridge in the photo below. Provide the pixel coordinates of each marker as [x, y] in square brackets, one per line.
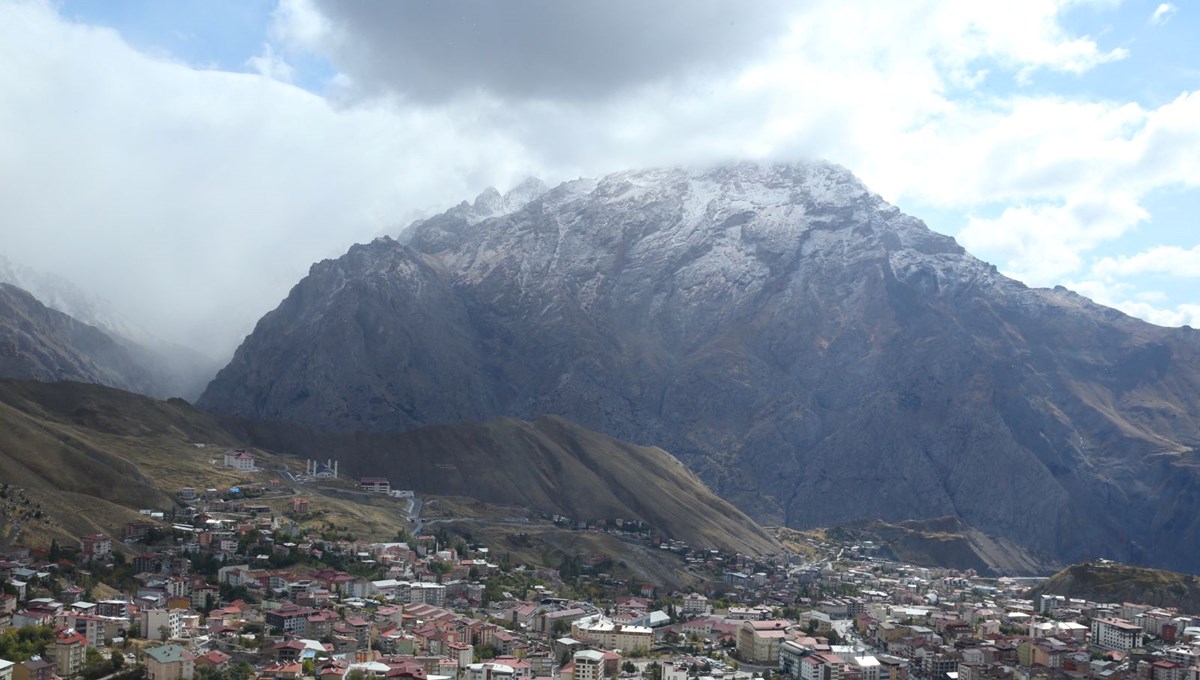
[719, 232]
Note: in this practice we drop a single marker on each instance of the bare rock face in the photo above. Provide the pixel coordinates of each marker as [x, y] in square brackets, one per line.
[813, 353]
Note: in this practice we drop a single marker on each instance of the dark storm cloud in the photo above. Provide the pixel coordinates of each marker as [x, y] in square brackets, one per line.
[541, 49]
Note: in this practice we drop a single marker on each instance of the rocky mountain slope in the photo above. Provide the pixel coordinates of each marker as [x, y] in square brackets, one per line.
[1117, 583]
[39, 343]
[812, 352]
[112, 452]
[174, 370]
[947, 542]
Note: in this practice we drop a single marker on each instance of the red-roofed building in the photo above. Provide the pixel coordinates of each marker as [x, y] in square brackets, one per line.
[239, 460]
[214, 659]
[69, 651]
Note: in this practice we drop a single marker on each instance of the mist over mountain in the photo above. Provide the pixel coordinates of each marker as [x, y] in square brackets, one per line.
[809, 350]
[172, 369]
[39, 343]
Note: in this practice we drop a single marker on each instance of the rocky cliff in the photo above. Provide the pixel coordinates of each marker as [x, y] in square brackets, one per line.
[811, 351]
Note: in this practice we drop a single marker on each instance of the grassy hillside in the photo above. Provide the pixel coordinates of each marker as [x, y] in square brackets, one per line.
[1113, 582]
[107, 453]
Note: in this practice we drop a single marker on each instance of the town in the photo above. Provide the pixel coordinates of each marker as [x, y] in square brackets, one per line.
[225, 585]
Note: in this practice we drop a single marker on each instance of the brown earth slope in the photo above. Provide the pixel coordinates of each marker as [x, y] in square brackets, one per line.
[127, 451]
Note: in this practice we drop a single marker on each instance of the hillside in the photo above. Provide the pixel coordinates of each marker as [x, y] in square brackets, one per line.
[110, 453]
[947, 542]
[548, 464]
[39, 343]
[814, 354]
[163, 369]
[1113, 582]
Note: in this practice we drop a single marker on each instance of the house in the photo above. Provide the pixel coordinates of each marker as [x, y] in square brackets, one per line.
[36, 668]
[214, 659]
[169, 662]
[239, 459]
[6, 669]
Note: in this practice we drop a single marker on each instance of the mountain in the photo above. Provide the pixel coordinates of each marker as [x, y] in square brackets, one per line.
[813, 353]
[174, 370]
[39, 343]
[112, 452]
[1117, 583]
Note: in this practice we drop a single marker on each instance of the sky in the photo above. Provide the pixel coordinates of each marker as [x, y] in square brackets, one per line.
[187, 161]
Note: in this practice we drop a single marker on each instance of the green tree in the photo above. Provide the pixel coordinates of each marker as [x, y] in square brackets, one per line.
[21, 644]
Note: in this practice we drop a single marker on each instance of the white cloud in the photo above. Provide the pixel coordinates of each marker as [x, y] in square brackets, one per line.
[1042, 244]
[1173, 260]
[271, 65]
[1162, 14]
[196, 198]
[1148, 305]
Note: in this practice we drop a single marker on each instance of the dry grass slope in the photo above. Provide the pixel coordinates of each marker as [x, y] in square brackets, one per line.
[95, 455]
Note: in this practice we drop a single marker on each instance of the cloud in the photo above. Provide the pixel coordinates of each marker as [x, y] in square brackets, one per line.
[1043, 244]
[432, 51]
[1162, 14]
[195, 198]
[271, 65]
[1146, 305]
[1172, 260]
[552, 50]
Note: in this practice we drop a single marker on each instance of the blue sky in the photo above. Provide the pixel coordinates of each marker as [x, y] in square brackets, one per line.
[1055, 138]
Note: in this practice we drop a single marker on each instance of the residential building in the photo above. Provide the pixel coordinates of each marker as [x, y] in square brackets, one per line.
[589, 665]
[37, 668]
[610, 635]
[169, 662]
[695, 604]
[758, 642]
[96, 546]
[1116, 634]
[239, 459]
[161, 624]
[68, 652]
[820, 666]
